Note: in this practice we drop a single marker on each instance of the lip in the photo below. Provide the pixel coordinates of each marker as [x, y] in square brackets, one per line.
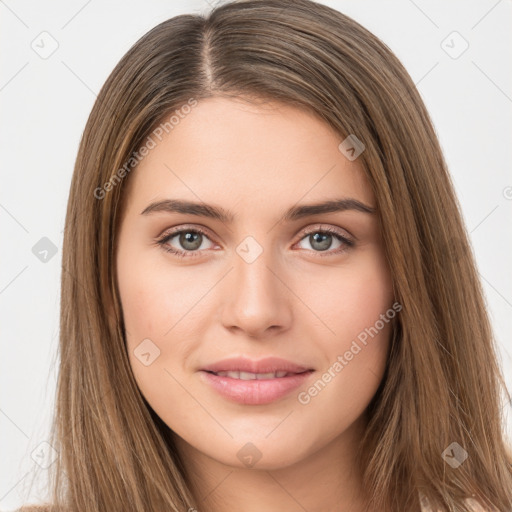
[257, 391]
[265, 365]
[254, 392]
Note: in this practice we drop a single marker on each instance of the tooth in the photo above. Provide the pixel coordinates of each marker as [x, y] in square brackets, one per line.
[252, 376]
[247, 376]
[261, 376]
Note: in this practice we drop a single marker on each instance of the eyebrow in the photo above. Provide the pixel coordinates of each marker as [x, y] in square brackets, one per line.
[293, 213]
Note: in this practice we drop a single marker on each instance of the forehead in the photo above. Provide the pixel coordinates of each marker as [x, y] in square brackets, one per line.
[251, 154]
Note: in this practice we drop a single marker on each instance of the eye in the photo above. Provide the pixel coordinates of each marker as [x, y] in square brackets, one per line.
[321, 239]
[190, 239]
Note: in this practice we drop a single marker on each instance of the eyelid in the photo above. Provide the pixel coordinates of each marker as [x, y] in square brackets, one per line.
[328, 228]
[303, 231]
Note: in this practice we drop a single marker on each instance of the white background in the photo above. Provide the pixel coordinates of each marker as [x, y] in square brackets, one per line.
[45, 104]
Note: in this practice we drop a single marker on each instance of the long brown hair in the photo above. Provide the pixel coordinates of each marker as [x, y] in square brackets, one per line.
[443, 382]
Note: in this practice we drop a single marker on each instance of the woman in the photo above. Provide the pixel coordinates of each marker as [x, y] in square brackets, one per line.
[268, 296]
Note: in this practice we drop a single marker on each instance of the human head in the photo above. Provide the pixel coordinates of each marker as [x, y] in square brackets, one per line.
[311, 57]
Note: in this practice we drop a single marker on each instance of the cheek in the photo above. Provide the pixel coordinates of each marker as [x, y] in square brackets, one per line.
[163, 316]
[154, 297]
[356, 306]
[153, 305]
[352, 299]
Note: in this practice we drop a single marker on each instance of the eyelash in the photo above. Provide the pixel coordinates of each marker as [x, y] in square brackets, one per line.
[348, 244]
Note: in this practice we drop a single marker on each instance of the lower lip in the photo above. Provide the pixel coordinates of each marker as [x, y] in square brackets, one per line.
[255, 392]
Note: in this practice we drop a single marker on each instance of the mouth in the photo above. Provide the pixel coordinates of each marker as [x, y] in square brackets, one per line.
[248, 388]
[246, 368]
[241, 375]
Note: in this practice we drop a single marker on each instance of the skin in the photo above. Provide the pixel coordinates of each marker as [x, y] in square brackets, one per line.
[294, 301]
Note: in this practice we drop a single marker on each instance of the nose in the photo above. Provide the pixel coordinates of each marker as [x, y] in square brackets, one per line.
[257, 297]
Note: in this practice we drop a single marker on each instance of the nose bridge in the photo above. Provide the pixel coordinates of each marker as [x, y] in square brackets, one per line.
[254, 282]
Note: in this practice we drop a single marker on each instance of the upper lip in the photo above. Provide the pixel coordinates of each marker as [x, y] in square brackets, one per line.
[265, 365]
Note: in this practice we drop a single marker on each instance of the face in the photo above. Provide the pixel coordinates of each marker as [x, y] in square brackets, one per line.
[270, 278]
